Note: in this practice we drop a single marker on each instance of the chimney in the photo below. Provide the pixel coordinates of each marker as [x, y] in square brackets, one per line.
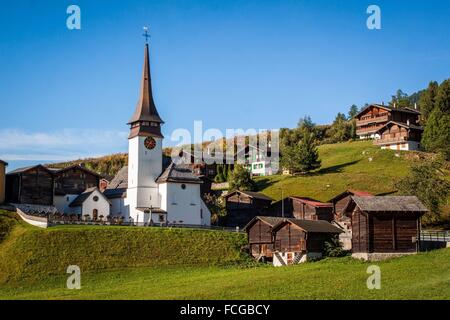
[415, 105]
[407, 122]
[382, 103]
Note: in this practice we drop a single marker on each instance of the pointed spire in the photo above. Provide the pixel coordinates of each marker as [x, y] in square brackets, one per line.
[145, 114]
[145, 108]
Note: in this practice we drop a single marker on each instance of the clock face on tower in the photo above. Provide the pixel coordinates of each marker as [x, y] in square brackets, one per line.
[150, 143]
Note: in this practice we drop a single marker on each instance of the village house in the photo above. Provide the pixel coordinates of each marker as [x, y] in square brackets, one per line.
[399, 136]
[3, 166]
[375, 116]
[286, 241]
[91, 205]
[384, 226]
[302, 208]
[243, 206]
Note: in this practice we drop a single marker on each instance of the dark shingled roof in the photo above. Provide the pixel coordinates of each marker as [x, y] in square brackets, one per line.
[251, 194]
[404, 125]
[390, 204]
[78, 201]
[178, 173]
[25, 169]
[389, 108]
[317, 226]
[271, 221]
[117, 188]
[312, 202]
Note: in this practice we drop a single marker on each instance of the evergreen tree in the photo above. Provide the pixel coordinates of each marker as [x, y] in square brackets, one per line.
[308, 153]
[427, 100]
[241, 179]
[436, 136]
[428, 182]
[219, 176]
[353, 111]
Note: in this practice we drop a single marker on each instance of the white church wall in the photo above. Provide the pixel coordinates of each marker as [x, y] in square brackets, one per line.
[102, 205]
[62, 203]
[183, 205]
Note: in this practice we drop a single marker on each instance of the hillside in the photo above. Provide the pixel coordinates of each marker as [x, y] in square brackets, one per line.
[29, 253]
[351, 165]
[423, 276]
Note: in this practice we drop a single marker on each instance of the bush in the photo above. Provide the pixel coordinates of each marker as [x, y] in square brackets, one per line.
[333, 248]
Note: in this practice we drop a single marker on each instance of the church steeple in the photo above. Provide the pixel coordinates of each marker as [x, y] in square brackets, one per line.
[145, 120]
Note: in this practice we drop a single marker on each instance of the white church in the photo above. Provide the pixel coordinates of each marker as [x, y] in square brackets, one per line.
[146, 192]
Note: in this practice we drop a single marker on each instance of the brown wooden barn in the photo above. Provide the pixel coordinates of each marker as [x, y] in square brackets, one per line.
[3, 166]
[340, 204]
[30, 185]
[260, 237]
[385, 226]
[286, 240]
[303, 208]
[74, 180]
[243, 206]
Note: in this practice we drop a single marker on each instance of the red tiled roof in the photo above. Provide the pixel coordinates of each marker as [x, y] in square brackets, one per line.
[360, 193]
[312, 202]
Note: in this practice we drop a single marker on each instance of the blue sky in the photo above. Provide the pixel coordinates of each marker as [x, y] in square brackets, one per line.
[232, 64]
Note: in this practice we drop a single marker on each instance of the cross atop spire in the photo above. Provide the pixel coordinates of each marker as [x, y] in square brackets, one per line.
[146, 120]
[146, 35]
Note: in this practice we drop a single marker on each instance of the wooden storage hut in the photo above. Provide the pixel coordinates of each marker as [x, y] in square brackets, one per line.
[30, 185]
[260, 237]
[3, 166]
[385, 226]
[297, 240]
[303, 208]
[243, 206]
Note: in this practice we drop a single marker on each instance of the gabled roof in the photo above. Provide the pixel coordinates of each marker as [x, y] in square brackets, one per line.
[117, 188]
[78, 201]
[351, 192]
[312, 202]
[271, 221]
[387, 108]
[401, 124]
[180, 173]
[251, 194]
[4, 162]
[75, 166]
[390, 204]
[25, 169]
[315, 226]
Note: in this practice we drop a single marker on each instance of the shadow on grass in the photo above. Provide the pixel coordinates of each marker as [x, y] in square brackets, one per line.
[334, 169]
[263, 184]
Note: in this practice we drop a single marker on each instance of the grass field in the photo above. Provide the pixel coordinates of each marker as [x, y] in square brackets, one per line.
[424, 276]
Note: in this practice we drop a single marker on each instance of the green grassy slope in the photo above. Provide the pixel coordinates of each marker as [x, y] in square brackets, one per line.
[345, 166]
[423, 276]
[29, 253]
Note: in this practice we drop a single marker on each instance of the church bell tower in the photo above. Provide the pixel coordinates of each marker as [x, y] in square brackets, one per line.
[144, 151]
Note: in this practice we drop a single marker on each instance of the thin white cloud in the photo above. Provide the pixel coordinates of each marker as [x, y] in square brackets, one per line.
[60, 145]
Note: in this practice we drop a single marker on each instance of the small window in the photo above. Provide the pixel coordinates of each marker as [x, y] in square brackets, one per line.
[95, 198]
[161, 218]
[183, 186]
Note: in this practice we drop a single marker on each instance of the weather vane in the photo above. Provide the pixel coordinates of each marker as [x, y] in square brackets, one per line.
[145, 34]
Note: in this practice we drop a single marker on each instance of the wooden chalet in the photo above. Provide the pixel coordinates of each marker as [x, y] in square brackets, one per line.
[399, 136]
[243, 206]
[303, 208]
[375, 116]
[30, 185]
[3, 166]
[385, 226]
[74, 180]
[288, 241]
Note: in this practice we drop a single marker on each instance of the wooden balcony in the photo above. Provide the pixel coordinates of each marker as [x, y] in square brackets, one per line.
[389, 140]
[361, 131]
[362, 122]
